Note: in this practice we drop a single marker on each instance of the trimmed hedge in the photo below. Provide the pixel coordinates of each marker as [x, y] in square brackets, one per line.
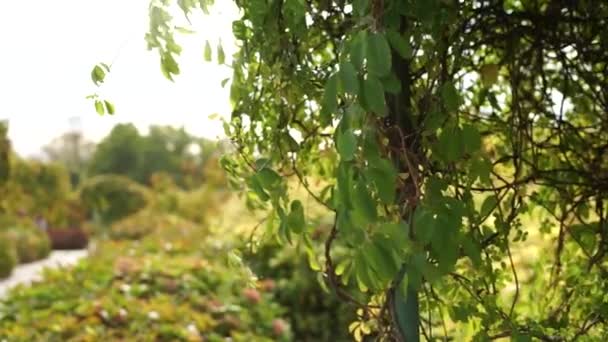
[113, 197]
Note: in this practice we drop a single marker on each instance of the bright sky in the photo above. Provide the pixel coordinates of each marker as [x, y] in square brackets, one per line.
[49, 48]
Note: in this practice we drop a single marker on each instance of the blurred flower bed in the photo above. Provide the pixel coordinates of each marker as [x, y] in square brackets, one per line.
[174, 285]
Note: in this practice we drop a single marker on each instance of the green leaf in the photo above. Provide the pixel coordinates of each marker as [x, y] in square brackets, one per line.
[391, 84]
[360, 7]
[481, 167]
[373, 96]
[378, 55]
[424, 225]
[404, 286]
[345, 185]
[426, 10]
[268, 178]
[371, 151]
[296, 218]
[379, 261]
[348, 78]
[207, 52]
[397, 233]
[261, 163]
[109, 107]
[329, 103]
[450, 144]
[174, 48]
[400, 44]
[471, 138]
[342, 265]
[353, 233]
[185, 6]
[521, 337]
[363, 205]
[388, 265]
[358, 48]
[472, 250]
[98, 75]
[99, 107]
[384, 176]
[345, 278]
[256, 187]
[284, 233]
[347, 145]
[169, 66]
[204, 5]
[221, 56]
[488, 205]
[362, 271]
[450, 96]
[184, 30]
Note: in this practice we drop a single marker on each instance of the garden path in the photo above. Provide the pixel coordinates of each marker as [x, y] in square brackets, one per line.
[28, 273]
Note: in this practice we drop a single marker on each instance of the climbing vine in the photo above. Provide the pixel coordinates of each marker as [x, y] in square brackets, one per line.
[440, 134]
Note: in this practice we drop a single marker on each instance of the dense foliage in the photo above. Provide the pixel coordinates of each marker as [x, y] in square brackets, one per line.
[314, 315]
[437, 128]
[72, 150]
[8, 258]
[113, 197]
[29, 242]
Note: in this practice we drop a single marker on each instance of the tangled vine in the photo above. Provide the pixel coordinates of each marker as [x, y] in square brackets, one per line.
[446, 139]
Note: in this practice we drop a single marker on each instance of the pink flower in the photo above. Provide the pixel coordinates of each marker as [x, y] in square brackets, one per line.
[252, 295]
[279, 326]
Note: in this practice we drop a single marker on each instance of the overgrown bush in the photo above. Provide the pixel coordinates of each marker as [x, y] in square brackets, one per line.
[113, 197]
[30, 243]
[313, 314]
[145, 222]
[8, 257]
[200, 204]
[35, 188]
[196, 205]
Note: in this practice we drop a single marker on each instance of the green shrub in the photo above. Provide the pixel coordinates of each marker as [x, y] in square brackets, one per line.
[145, 222]
[31, 245]
[313, 314]
[7, 257]
[37, 188]
[29, 242]
[195, 205]
[113, 197]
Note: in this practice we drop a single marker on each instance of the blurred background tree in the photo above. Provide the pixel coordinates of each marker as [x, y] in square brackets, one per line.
[72, 150]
